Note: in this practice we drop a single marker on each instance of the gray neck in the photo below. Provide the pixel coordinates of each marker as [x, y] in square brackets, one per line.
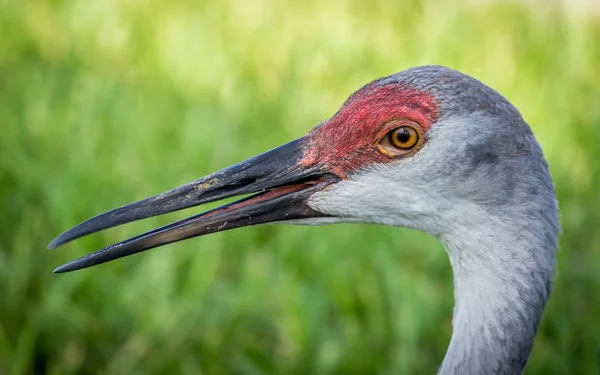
[503, 277]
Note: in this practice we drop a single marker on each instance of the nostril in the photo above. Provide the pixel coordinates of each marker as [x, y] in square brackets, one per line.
[232, 185]
[242, 182]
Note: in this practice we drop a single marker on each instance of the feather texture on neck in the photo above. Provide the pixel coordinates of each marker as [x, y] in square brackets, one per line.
[503, 278]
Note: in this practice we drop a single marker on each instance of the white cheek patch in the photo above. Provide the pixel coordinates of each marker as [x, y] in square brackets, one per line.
[375, 197]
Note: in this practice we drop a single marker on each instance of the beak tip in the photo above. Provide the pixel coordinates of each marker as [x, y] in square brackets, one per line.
[65, 237]
[54, 244]
[60, 240]
[60, 269]
[67, 267]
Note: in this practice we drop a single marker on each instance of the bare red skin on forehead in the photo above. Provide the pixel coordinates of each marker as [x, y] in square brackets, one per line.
[348, 141]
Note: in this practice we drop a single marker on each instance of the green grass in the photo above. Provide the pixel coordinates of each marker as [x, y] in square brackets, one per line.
[103, 103]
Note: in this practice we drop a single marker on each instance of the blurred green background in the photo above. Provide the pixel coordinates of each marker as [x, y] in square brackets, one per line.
[106, 102]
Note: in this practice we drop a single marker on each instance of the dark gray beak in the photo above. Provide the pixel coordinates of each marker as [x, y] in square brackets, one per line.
[280, 183]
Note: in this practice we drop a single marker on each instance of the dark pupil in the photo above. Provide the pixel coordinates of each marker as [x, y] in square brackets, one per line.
[403, 136]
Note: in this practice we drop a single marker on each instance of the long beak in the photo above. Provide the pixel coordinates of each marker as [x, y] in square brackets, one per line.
[282, 186]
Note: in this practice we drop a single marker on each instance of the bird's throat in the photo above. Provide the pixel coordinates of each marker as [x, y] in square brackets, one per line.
[501, 289]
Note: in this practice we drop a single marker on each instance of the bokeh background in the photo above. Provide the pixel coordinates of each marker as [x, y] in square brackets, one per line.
[106, 102]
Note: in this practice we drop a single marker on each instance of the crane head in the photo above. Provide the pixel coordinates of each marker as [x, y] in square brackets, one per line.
[406, 150]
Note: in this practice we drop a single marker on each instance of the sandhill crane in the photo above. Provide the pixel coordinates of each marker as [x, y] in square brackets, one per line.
[428, 148]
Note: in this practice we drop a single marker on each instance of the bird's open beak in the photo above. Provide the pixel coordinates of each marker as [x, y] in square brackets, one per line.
[280, 183]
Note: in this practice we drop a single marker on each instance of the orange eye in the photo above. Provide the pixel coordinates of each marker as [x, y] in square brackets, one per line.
[404, 137]
[402, 140]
